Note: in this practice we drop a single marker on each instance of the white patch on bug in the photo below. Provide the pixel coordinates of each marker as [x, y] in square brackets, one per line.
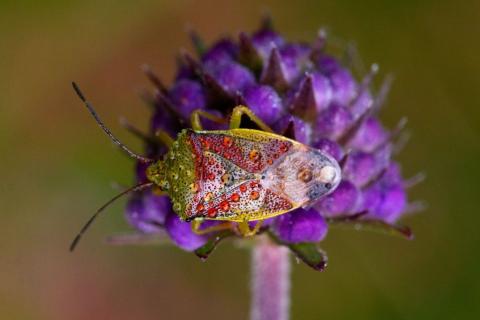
[327, 174]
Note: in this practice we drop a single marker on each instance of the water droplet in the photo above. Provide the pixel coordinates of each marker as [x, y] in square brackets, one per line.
[200, 207]
[227, 141]
[254, 155]
[224, 205]
[194, 187]
[254, 195]
[212, 212]
[208, 197]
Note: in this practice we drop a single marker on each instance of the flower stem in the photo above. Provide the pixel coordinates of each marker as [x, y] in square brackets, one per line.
[270, 282]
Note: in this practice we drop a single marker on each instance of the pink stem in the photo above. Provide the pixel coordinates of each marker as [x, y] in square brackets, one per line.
[270, 281]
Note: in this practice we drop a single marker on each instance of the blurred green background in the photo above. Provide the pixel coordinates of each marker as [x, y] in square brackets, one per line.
[57, 166]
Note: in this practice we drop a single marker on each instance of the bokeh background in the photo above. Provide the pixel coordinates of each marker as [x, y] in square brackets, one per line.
[57, 166]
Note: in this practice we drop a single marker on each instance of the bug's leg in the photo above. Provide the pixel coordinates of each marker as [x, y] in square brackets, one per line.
[245, 230]
[196, 225]
[164, 138]
[237, 114]
[197, 124]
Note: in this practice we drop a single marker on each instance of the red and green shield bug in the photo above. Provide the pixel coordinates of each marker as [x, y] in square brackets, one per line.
[235, 176]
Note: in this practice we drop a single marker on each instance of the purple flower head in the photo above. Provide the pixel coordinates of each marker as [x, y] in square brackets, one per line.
[302, 92]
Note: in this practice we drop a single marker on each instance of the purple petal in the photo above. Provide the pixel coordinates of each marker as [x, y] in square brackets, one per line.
[265, 40]
[361, 104]
[212, 125]
[392, 174]
[342, 201]
[333, 122]
[264, 102]
[301, 226]
[385, 202]
[232, 77]
[330, 147]
[147, 212]
[301, 129]
[344, 86]
[164, 120]
[187, 96]
[222, 50]
[181, 233]
[328, 64]
[360, 167]
[369, 136]
[322, 91]
[294, 60]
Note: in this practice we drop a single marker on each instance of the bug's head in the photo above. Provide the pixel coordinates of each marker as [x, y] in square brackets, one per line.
[156, 174]
[305, 175]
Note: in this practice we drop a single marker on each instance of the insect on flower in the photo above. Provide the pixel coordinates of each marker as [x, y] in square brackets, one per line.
[235, 176]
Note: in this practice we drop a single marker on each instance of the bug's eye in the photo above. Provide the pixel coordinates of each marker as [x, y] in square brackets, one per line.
[328, 186]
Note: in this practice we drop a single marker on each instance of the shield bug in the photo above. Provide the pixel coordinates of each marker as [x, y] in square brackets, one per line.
[235, 176]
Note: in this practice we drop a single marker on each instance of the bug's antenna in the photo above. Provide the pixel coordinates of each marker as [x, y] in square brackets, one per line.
[85, 227]
[106, 130]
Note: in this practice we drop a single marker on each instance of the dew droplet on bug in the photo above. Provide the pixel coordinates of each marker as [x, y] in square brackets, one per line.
[176, 206]
[254, 155]
[194, 187]
[208, 196]
[224, 205]
[235, 197]
[212, 212]
[227, 141]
